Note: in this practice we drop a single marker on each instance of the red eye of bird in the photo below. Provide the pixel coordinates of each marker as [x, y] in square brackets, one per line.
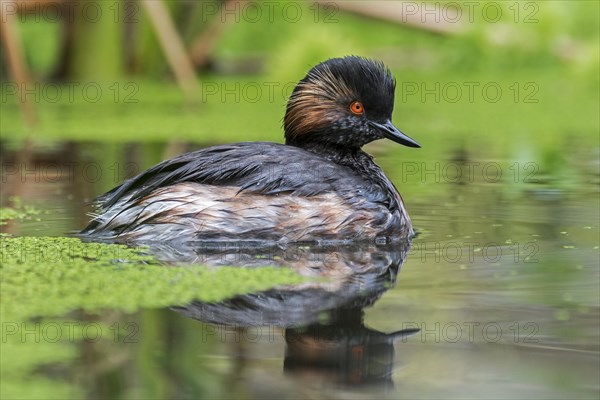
[357, 108]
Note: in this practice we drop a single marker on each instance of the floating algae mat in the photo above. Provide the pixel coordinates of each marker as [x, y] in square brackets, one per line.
[53, 286]
[19, 212]
[50, 276]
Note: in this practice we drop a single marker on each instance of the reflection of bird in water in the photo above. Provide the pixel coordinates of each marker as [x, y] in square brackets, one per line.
[355, 261]
[323, 319]
[343, 351]
[318, 186]
[358, 275]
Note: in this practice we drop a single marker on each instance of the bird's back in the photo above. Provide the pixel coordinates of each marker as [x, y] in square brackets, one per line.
[251, 191]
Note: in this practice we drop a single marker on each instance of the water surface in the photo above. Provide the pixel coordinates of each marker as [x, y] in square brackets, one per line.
[498, 295]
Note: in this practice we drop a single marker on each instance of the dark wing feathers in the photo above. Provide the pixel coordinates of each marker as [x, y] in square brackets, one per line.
[262, 168]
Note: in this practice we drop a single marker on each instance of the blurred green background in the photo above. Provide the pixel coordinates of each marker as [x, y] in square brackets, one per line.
[508, 68]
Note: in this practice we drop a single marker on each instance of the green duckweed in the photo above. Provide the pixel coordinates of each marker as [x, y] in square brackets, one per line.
[48, 283]
[50, 276]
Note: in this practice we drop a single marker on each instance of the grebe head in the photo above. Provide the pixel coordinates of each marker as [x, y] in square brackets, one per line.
[343, 102]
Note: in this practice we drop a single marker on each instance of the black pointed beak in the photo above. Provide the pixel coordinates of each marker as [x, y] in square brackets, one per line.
[389, 131]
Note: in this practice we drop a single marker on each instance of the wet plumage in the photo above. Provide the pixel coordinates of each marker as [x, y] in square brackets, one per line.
[320, 185]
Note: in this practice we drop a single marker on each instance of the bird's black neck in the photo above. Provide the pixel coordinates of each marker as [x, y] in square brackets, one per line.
[360, 163]
[342, 155]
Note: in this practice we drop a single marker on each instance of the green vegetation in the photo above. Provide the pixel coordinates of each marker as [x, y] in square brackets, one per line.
[48, 278]
[532, 75]
[18, 212]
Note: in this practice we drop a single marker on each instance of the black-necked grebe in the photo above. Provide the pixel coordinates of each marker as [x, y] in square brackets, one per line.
[319, 186]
